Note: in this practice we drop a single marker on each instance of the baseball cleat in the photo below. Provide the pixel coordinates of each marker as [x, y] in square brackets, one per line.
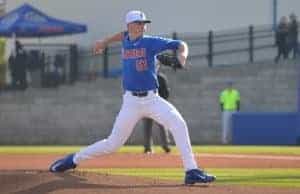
[198, 176]
[63, 164]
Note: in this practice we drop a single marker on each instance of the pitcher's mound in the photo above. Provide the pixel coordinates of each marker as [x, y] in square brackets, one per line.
[42, 182]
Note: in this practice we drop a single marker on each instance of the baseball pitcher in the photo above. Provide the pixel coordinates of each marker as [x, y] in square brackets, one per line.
[141, 99]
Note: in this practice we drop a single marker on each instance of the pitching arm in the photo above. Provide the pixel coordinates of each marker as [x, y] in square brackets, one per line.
[102, 44]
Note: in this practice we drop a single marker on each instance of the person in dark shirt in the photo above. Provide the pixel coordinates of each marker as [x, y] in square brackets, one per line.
[282, 38]
[18, 67]
[164, 92]
[12, 69]
[293, 35]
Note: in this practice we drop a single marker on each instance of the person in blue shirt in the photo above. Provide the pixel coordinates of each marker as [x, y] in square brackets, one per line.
[141, 99]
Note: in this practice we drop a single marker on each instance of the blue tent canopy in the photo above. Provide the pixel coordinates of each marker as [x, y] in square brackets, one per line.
[27, 21]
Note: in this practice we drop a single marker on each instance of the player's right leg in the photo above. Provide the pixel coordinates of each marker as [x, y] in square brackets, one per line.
[127, 118]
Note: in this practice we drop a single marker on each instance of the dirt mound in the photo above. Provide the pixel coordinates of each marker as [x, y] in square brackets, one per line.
[14, 179]
[43, 182]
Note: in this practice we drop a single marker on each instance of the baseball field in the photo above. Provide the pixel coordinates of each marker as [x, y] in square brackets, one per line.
[239, 169]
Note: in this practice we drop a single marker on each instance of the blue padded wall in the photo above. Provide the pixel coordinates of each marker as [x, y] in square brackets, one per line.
[265, 128]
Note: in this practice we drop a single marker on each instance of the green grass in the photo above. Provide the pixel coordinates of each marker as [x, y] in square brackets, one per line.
[274, 150]
[38, 149]
[252, 177]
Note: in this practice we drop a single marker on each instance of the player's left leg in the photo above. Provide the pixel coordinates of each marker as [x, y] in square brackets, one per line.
[166, 114]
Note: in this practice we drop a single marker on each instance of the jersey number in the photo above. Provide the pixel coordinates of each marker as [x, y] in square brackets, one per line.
[141, 65]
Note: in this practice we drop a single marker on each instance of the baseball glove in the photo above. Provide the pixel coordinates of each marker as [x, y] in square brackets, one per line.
[169, 60]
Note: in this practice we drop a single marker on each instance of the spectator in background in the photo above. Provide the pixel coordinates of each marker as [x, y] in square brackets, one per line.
[12, 70]
[229, 100]
[51, 74]
[282, 38]
[18, 66]
[2, 63]
[293, 35]
[59, 64]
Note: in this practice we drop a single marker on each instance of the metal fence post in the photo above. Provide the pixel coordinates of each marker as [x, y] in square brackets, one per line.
[210, 49]
[251, 43]
[105, 62]
[174, 37]
[73, 74]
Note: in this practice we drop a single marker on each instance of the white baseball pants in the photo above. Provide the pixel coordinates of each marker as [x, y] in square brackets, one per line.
[133, 109]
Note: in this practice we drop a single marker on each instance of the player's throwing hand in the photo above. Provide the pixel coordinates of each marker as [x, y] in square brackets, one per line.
[99, 47]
